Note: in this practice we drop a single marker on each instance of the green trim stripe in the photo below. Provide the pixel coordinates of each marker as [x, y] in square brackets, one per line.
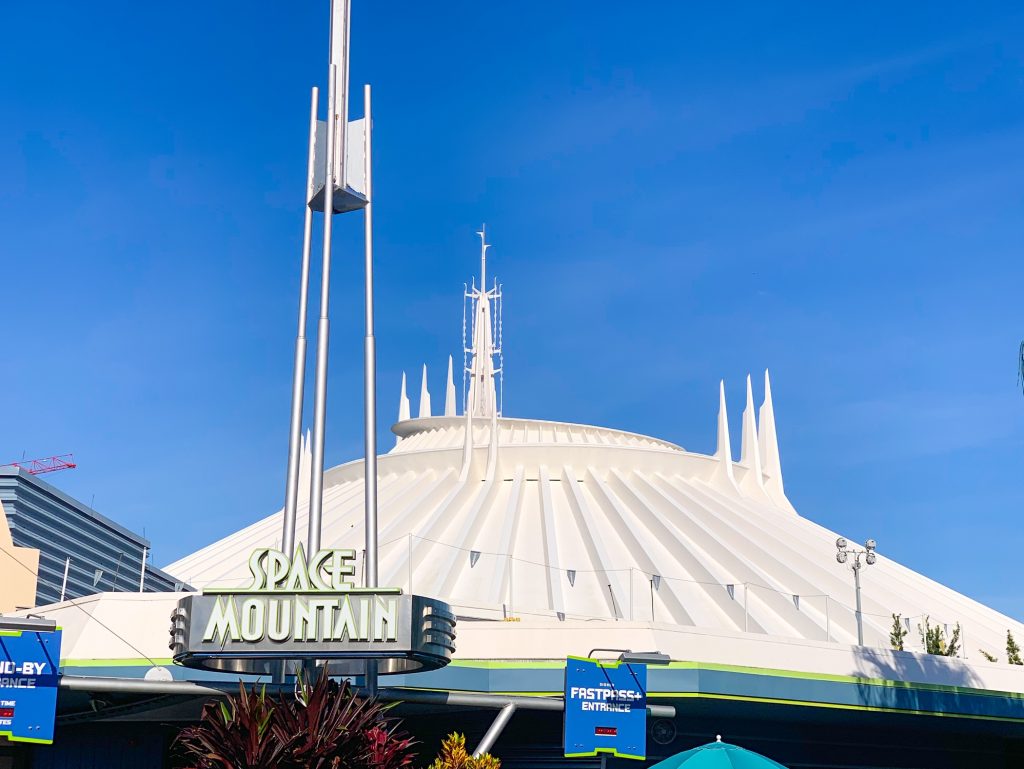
[609, 751]
[834, 706]
[774, 672]
[10, 737]
[125, 662]
[311, 591]
[816, 698]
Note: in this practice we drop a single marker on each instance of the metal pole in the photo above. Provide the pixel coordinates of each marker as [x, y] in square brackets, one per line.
[860, 618]
[369, 383]
[316, 485]
[495, 730]
[370, 364]
[142, 571]
[64, 584]
[291, 491]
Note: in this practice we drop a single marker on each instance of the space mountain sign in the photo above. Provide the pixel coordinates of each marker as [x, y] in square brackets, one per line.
[300, 609]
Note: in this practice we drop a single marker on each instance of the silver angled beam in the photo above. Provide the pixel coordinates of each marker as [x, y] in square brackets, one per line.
[494, 732]
[226, 688]
[291, 492]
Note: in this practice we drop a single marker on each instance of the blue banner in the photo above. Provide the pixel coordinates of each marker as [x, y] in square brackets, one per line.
[605, 708]
[29, 667]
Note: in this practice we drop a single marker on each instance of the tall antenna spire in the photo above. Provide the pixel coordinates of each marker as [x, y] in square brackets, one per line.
[484, 245]
[482, 398]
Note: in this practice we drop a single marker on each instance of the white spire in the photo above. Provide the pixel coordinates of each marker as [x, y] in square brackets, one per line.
[424, 396]
[750, 454]
[768, 443]
[482, 393]
[449, 392]
[403, 403]
[724, 451]
[767, 438]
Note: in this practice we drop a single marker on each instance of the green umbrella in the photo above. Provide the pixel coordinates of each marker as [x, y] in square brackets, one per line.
[718, 755]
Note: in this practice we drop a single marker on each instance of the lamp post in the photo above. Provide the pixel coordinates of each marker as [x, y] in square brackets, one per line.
[843, 553]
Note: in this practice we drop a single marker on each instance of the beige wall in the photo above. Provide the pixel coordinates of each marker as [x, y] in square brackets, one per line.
[18, 569]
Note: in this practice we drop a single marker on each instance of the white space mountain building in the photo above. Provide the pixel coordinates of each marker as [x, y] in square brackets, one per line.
[551, 539]
[548, 521]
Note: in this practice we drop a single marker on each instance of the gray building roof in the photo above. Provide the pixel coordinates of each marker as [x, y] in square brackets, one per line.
[104, 556]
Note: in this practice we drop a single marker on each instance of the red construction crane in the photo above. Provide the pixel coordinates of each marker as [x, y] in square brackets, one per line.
[46, 464]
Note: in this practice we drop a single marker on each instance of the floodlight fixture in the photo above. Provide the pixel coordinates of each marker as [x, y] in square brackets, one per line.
[635, 658]
[590, 654]
[645, 658]
[32, 623]
[843, 553]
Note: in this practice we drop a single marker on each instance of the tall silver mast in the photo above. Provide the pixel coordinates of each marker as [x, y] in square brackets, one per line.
[323, 330]
[369, 384]
[291, 493]
[370, 365]
[334, 156]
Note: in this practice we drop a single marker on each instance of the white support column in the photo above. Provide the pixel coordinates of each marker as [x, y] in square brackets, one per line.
[142, 571]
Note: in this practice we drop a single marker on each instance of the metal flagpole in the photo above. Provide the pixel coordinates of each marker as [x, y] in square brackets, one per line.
[291, 493]
[369, 382]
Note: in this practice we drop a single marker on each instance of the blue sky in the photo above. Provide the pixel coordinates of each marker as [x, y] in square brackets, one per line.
[676, 194]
